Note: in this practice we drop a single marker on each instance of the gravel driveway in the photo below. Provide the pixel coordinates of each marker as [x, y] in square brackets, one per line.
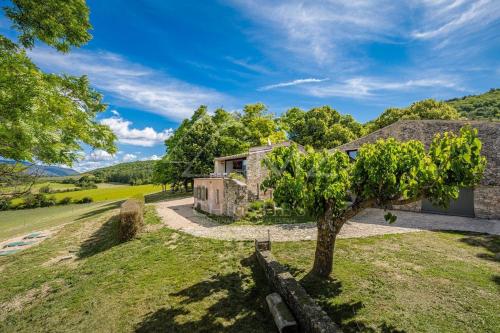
[178, 214]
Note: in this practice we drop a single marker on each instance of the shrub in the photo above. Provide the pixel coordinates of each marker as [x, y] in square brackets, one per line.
[34, 201]
[47, 202]
[44, 189]
[4, 203]
[65, 201]
[131, 218]
[237, 176]
[85, 200]
[256, 205]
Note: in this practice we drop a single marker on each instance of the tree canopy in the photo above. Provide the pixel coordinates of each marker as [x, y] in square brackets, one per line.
[47, 117]
[426, 109]
[332, 189]
[198, 140]
[321, 127]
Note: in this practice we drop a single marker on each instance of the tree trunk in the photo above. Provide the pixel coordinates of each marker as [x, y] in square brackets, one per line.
[325, 245]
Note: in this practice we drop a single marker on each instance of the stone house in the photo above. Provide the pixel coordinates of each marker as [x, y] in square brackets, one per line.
[482, 201]
[221, 193]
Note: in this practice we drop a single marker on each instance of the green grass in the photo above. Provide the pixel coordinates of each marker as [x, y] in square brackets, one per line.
[162, 282]
[165, 281]
[19, 222]
[415, 282]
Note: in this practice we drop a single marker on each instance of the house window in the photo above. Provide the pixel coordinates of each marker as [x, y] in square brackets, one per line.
[206, 193]
[352, 154]
[217, 197]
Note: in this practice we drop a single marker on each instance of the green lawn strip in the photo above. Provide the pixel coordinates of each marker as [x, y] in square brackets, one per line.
[416, 282]
[18, 222]
[163, 281]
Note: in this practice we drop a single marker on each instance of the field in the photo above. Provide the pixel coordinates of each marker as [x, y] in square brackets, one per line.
[172, 282]
[19, 222]
[106, 192]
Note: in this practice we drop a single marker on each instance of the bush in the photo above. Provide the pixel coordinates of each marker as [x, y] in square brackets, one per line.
[35, 201]
[85, 200]
[4, 203]
[131, 218]
[44, 189]
[256, 205]
[65, 201]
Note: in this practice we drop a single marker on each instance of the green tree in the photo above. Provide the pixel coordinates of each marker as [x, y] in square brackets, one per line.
[197, 141]
[46, 117]
[483, 106]
[426, 109]
[385, 173]
[321, 127]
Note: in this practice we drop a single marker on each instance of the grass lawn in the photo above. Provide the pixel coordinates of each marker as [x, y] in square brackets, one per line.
[18, 222]
[163, 282]
[415, 282]
[166, 281]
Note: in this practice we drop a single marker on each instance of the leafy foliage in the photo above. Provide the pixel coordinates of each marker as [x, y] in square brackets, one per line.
[426, 109]
[483, 106]
[321, 127]
[133, 173]
[198, 140]
[47, 117]
[384, 173]
[58, 23]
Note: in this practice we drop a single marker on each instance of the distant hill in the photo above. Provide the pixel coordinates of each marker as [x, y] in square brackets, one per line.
[46, 170]
[135, 173]
[483, 106]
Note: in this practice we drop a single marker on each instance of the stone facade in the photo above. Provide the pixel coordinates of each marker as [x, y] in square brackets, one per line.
[235, 198]
[486, 202]
[487, 195]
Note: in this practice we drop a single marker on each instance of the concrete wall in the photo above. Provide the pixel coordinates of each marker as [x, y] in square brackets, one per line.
[211, 204]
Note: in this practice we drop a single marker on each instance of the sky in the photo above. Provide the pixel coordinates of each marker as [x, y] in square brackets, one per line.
[156, 61]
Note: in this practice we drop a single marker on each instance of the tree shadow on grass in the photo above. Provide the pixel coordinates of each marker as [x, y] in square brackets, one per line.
[343, 314]
[240, 305]
[102, 209]
[102, 239]
[491, 243]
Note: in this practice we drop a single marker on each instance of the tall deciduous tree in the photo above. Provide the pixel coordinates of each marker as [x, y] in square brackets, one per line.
[321, 127]
[385, 173]
[426, 109]
[46, 117]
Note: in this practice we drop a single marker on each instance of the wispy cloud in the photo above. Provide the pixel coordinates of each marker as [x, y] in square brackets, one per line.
[146, 137]
[131, 83]
[291, 83]
[251, 66]
[442, 18]
[365, 87]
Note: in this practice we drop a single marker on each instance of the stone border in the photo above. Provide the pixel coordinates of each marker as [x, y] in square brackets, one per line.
[310, 315]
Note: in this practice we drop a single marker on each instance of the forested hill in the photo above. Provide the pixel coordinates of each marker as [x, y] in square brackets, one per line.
[483, 106]
[134, 173]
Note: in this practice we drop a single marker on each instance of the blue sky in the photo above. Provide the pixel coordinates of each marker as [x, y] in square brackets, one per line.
[156, 61]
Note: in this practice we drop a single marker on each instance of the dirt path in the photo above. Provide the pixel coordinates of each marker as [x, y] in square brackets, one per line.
[178, 214]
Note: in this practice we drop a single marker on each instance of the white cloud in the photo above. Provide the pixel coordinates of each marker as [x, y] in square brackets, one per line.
[441, 18]
[155, 157]
[291, 83]
[247, 64]
[146, 137]
[130, 83]
[363, 87]
[99, 155]
[129, 157]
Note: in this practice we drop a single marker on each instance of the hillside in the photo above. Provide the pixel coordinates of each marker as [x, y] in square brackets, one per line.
[135, 173]
[483, 106]
[46, 170]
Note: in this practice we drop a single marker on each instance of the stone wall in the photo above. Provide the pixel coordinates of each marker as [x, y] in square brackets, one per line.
[425, 130]
[308, 314]
[487, 202]
[256, 173]
[235, 198]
